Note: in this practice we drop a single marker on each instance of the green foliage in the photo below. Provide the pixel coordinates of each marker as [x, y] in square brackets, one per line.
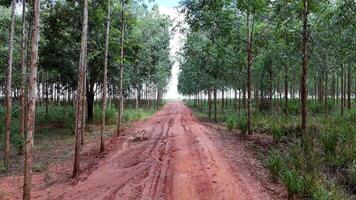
[231, 121]
[133, 114]
[242, 123]
[293, 181]
[277, 132]
[2, 167]
[110, 116]
[275, 163]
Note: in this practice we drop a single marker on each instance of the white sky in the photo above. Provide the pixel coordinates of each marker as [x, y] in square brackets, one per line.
[167, 7]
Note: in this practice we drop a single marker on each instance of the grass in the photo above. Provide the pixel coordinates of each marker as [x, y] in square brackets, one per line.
[319, 164]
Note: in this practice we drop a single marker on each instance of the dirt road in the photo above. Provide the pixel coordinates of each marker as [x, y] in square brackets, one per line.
[179, 161]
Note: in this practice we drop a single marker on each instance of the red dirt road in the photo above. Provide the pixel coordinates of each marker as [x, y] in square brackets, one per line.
[178, 161]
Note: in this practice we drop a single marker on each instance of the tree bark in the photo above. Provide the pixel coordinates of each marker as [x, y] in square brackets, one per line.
[342, 89]
[31, 101]
[249, 63]
[304, 92]
[22, 116]
[105, 79]
[215, 106]
[8, 93]
[286, 90]
[121, 98]
[80, 91]
[349, 88]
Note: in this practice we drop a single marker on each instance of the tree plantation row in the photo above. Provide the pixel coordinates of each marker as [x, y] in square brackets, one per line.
[282, 68]
[75, 61]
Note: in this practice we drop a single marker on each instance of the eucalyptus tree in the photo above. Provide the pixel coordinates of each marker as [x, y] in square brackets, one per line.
[8, 92]
[31, 114]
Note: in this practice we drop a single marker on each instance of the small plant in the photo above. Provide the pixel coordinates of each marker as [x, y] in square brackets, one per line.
[329, 140]
[38, 167]
[320, 193]
[275, 164]
[277, 132]
[242, 123]
[293, 181]
[19, 143]
[231, 122]
[2, 167]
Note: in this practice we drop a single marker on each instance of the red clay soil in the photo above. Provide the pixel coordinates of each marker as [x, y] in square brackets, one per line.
[179, 160]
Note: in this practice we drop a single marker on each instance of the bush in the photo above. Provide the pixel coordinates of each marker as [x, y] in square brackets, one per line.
[275, 163]
[242, 123]
[277, 132]
[231, 121]
[2, 167]
[320, 193]
[110, 116]
[293, 181]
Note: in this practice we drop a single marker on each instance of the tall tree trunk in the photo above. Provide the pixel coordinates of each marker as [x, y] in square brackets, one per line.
[249, 63]
[105, 79]
[215, 106]
[80, 91]
[349, 88]
[342, 89]
[304, 92]
[47, 94]
[121, 98]
[31, 101]
[270, 85]
[222, 100]
[286, 89]
[326, 91]
[8, 94]
[23, 75]
[209, 102]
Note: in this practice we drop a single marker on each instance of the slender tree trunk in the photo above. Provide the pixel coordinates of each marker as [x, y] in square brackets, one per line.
[23, 75]
[304, 92]
[326, 91]
[349, 88]
[209, 102]
[121, 98]
[80, 91]
[286, 90]
[215, 106]
[342, 89]
[249, 63]
[222, 100]
[47, 94]
[8, 94]
[270, 85]
[105, 79]
[32, 101]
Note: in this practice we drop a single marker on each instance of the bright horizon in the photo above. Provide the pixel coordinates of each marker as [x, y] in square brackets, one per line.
[169, 8]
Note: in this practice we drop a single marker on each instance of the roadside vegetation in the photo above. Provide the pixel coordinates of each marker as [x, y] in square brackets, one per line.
[285, 69]
[75, 72]
[317, 165]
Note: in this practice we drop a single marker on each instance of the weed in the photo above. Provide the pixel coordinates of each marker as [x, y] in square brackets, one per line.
[231, 121]
[293, 182]
[275, 164]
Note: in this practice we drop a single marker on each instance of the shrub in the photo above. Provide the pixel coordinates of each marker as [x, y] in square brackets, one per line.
[231, 121]
[242, 123]
[293, 181]
[275, 163]
[2, 167]
[329, 140]
[277, 132]
[320, 193]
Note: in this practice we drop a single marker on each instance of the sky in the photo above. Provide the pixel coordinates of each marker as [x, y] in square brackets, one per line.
[167, 7]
